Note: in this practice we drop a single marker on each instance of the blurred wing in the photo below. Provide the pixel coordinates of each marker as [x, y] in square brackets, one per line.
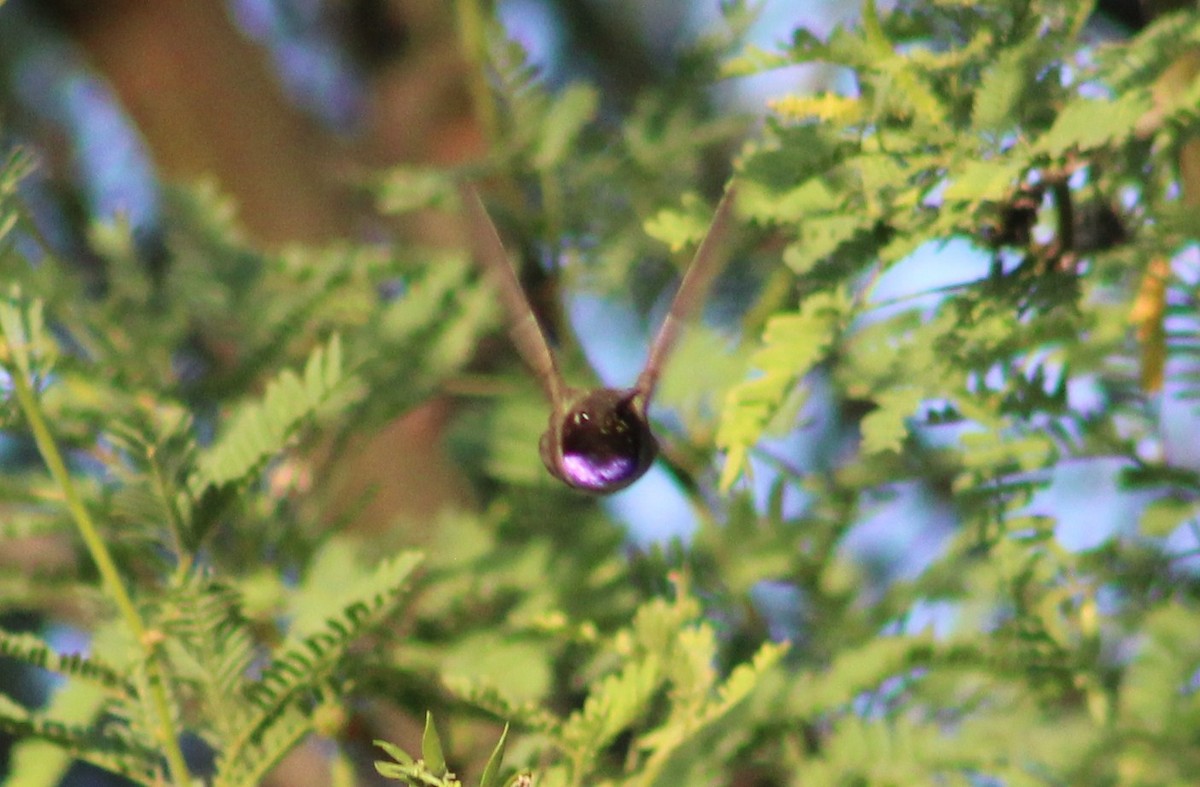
[523, 325]
[696, 281]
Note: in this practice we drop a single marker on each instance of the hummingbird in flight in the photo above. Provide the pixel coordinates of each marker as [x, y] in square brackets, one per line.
[597, 441]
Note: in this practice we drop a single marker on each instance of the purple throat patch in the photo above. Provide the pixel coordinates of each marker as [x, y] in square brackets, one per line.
[598, 472]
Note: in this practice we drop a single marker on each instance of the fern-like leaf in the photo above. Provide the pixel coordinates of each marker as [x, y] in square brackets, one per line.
[1086, 124]
[210, 647]
[528, 715]
[261, 429]
[108, 748]
[884, 428]
[617, 702]
[667, 741]
[285, 730]
[792, 345]
[304, 666]
[823, 107]
[35, 652]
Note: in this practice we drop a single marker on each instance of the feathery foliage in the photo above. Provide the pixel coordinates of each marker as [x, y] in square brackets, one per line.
[945, 489]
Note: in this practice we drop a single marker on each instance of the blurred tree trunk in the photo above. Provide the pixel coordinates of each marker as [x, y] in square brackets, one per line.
[204, 99]
[208, 104]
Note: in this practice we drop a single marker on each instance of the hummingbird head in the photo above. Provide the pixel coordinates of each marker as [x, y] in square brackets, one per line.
[602, 442]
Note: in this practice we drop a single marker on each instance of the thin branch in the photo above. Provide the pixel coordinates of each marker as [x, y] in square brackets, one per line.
[107, 568]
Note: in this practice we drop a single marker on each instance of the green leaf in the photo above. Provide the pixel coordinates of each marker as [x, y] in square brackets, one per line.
[998, 96]
[820, 237]
[792, 345]
[854, 671]
[260, 429]
[905, 84]
[563, 123]
[520, 670]
[407, 189]
[31, 650]
[885, 428]
[873, 33]
[491, 771]
[986, 179]
[688, 724]
[753, 60]
[1163, 516]
[273, 720]
[510, 435]
[679, 229]
[431, 746]
[1155, 693]
[395, 752]
[992, 452]
[1086, 124]
[791, 205]
[37, 761]
[822, 107]
[612, 706]
[271, 742]
[26, 342]
[111, 748]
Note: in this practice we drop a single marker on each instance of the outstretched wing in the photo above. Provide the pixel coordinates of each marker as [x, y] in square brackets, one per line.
[696, 280]
[523, 325]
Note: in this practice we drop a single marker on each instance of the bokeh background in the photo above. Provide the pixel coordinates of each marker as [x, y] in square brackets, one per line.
[286, 105]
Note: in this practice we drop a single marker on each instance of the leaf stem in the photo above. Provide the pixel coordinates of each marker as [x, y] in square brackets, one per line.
[108, 572]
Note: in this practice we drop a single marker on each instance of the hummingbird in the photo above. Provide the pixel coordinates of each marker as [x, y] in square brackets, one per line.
[597, 441]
